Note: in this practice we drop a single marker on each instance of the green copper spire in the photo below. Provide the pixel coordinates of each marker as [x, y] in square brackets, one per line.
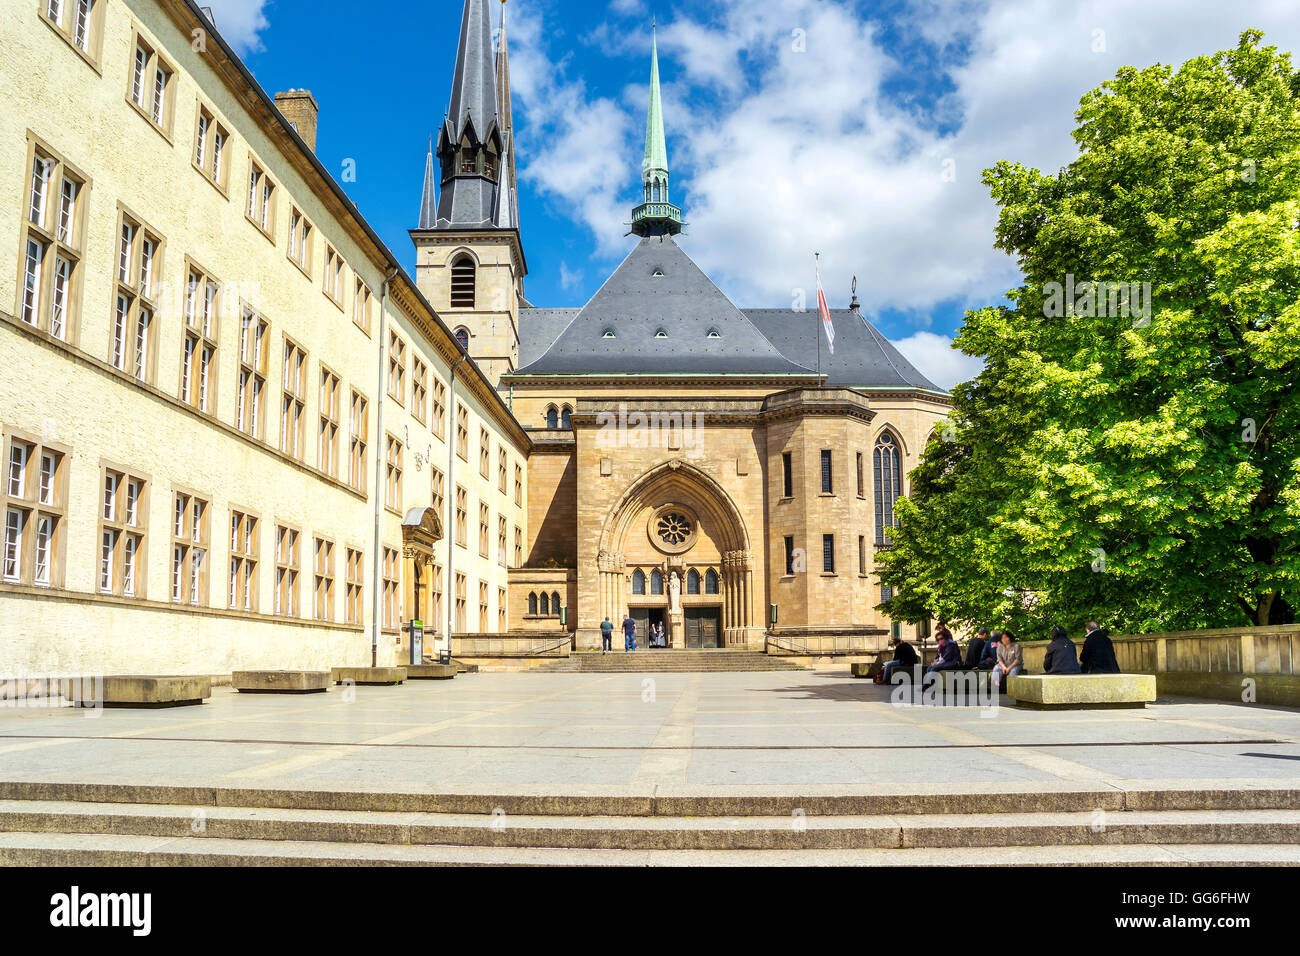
[655, 216]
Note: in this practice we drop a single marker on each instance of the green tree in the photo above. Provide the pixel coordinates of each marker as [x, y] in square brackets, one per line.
[1131, 457]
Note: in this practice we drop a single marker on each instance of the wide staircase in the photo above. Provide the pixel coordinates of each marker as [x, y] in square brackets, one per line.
[144, 825]
[666, 661]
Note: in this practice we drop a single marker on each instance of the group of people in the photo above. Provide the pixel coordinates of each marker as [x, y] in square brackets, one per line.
[1002, 654]
[658, 636]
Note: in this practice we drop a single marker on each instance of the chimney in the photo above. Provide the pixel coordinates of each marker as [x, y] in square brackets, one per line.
[300, 109]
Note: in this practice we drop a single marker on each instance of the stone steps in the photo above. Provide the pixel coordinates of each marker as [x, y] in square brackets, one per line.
[668, 661]
[58, 849]
[792, 832]
[111, 824]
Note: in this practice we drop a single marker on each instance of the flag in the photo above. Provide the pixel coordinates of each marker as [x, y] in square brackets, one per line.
[825, 312]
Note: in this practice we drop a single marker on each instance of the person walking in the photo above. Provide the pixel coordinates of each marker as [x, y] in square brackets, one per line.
[606, 635]
[629, 633]
[1098, 654]
[1061, 656]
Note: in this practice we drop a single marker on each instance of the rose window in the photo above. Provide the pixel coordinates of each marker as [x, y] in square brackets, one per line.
[674, 529]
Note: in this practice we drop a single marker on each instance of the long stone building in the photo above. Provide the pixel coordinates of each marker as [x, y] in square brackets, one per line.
[236, 433]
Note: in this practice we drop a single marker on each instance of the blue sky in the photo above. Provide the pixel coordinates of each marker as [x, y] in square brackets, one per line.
[854, 128]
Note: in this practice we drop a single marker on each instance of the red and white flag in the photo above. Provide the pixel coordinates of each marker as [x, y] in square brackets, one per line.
[825, 311]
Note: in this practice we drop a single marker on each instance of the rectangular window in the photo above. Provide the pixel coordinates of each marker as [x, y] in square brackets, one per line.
[361, 307]
[862, 555]
[484, 522]
[334, 275]
[828, 553]
[198, 358]
[261, 200]
[828, 483]
[484, 452]
[78, 22]
[357, 439]
[419, 390]
[300, 240]
[50, 244]
[286, 572]
[519, 485]
[150, 88]
[501, 610]
[482, 607]
[787, 475]
[789, 555]
[462, 432]
[122, 529]
[244, 538]
[293, 403]
[323, 581]
[397, 369]
[501, 470]
[15, 523]
[355, 580]
[393, 474]
[462, 517]
[327, 451]
[439, 410]
[502, 547]
[519, 547]
[462, 584]
[138, 265]
[392, 590]
[210, 140]
[254, 358]
[862, 488]
[190, 529]
[437, 495]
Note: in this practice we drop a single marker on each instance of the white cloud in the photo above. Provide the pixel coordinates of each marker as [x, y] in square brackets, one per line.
[937, 360]
[240, 22]
[569, 277]
[778, 153]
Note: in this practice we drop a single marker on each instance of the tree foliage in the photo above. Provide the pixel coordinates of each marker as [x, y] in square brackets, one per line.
[1138, 468]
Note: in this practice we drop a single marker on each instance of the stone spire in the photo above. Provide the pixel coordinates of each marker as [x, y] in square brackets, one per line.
[655, 216]
[472, 141]
[428, 199]
[508, 196]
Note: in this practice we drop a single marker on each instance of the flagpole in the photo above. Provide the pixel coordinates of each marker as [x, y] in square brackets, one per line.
[817, 258]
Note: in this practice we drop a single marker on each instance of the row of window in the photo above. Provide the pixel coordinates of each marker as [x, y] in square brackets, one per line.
[710, 581]
[544, 605]
[887, 474]
[35, 531]
[797, 564]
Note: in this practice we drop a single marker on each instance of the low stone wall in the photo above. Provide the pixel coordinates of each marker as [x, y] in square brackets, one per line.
[1245, 663]
[513, 644]
[827, 642]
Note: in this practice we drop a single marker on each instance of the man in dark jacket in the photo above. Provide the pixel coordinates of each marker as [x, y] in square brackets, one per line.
[990, 655]
[975, 649]
[904, 658]
[949, 654]
[1098, 654]
[1061, 657]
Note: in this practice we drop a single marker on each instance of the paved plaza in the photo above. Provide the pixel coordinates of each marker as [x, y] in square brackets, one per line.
[812, 732]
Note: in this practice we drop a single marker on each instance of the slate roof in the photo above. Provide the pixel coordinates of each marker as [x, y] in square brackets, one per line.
[684, 302]
[658, 289]
[863, 357]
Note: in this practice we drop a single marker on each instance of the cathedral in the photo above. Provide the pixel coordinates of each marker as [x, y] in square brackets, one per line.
[713, 470]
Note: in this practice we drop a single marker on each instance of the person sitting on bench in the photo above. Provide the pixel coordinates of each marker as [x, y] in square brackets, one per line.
[904, 657]
[1010, 659]
[1061, 657]
[1098, 654]
[975, 649]
[989, 658]
[949, 654]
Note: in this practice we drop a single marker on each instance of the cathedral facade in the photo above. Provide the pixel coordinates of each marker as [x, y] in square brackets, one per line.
[715, 470]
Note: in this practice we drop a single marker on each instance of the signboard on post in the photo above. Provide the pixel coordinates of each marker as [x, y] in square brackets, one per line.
[416, 630]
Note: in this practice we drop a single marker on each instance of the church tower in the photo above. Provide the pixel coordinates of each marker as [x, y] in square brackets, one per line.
[469, 257]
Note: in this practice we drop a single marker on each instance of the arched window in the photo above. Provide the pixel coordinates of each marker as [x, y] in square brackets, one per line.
[661, 334]
[608, 334]
[545, 604]
[638, 581]
[566, 417]
[693, 582]
[656, 582]
[888, 472]
[462, 336]
[462, 283]
[532, 602]
[555, 603]
[552, 417]
[711, 582]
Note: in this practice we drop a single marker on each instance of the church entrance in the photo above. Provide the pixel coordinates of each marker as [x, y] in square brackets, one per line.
[703, 626]
[646, 618]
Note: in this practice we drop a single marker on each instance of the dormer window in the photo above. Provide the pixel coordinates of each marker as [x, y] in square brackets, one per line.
[607, 334]
[713, 334]
[661, 334]
[657, 274]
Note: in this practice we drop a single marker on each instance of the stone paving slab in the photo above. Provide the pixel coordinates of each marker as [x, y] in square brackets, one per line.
[788, 731]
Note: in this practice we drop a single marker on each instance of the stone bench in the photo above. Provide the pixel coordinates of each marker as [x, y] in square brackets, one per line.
[863, 669]
[369, 676]
[430, 671]
[128, 691]
[280, 682]
[1081, 691]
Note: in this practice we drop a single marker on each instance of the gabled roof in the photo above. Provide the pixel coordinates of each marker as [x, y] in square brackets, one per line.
[863, 357]
[658, 314]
